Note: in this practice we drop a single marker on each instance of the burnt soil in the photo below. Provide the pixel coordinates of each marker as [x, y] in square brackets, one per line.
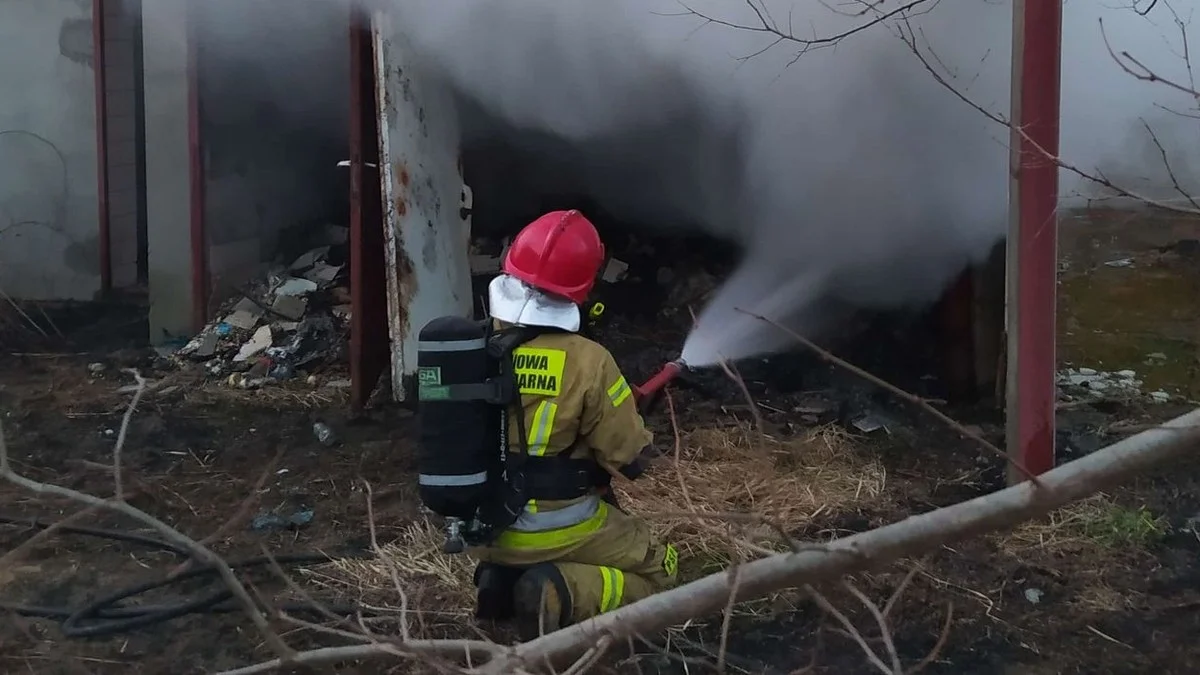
[196, 453]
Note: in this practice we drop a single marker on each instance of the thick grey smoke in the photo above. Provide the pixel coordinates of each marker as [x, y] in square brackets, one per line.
[274, 86]
[857, 175]
[846, 173]
[860, 177]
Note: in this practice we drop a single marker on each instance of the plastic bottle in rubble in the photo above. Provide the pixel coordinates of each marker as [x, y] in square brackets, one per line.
[324, 434]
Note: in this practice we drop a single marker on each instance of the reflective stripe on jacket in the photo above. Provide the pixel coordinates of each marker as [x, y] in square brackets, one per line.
[574, 398]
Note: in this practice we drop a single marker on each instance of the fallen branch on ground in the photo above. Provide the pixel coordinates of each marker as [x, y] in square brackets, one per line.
[118, 505]
[911, 537]
[36, 326]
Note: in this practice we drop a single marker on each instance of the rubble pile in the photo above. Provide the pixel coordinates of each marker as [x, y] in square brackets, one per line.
[1089, 383]
[292, 320]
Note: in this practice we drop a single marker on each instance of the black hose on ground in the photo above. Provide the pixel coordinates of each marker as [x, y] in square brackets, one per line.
[109, 615]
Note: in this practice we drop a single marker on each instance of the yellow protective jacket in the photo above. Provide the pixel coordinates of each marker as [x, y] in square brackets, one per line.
[575, 398]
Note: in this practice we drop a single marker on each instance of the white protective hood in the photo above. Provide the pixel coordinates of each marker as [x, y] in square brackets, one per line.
[514, 301]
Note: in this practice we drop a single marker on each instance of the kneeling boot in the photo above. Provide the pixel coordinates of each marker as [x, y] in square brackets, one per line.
[542, 601]
[494, 595]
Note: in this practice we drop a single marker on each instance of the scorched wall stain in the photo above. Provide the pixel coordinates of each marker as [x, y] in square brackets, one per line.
[76, 41]
[49, 224]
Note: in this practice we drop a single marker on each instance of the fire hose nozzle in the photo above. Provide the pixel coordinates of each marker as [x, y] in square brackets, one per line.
[648, 391]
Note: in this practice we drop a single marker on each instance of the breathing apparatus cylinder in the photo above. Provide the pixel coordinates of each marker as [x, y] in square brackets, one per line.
[459, 427]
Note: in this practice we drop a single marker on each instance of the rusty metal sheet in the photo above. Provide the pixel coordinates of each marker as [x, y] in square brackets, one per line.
[428, 265]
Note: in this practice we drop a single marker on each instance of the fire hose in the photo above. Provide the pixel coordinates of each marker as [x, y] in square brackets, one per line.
[111, 615]
[649, 393]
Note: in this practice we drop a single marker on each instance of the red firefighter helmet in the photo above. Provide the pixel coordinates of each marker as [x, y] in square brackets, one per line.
[559, 253]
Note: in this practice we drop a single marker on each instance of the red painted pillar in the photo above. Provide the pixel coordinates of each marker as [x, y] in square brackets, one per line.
[1033, 234]
[370, 354]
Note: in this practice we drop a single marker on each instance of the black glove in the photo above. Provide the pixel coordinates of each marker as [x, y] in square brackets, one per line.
[634, 469]
[637, 467]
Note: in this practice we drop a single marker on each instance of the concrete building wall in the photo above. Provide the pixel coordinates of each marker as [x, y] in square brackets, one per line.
[168, 189]
[121, 25]
[49, 218]
[275, 90]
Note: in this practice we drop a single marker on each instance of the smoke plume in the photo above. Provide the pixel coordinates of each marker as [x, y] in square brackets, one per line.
[847, 172]
[857, 175]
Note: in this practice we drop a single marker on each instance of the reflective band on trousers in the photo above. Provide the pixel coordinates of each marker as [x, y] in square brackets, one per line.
[452, 481]
[451, 345]
[540, 521]
[555, 538]
[614, 588]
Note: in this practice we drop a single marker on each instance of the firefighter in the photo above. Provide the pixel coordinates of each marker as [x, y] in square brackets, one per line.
[580, 557]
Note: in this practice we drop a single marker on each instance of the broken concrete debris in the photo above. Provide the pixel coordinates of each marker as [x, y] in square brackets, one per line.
[294, 287]
[267, 521]
[292, 319]
[1089, 383]
[290, 306]
[615, 270]
[258, 343]
[871, 423]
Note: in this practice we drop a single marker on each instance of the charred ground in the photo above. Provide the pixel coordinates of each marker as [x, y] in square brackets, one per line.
[1109, 586]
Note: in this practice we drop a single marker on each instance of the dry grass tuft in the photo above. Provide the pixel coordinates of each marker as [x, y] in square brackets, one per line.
[772, 483]
[727, 472]
[287, 395]
[1096, 526]
[1102, 599]
[430, 578]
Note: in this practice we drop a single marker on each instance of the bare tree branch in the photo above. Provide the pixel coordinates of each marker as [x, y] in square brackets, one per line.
[121, 435]
[937, 646]
[459, 649]
[766, 25]
[117, 505]
[912, 536]
[20, 311]
[902, 16]
[394, 573]
[1139, 70]
[852, 632]
[238, 516]
[1162, 151]
[1128, 63]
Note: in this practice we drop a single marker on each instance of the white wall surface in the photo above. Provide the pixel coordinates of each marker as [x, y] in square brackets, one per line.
[429, 272]
[168, 190]
[49, 232]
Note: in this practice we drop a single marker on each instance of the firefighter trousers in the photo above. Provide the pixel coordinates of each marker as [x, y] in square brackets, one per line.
[618, 564]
